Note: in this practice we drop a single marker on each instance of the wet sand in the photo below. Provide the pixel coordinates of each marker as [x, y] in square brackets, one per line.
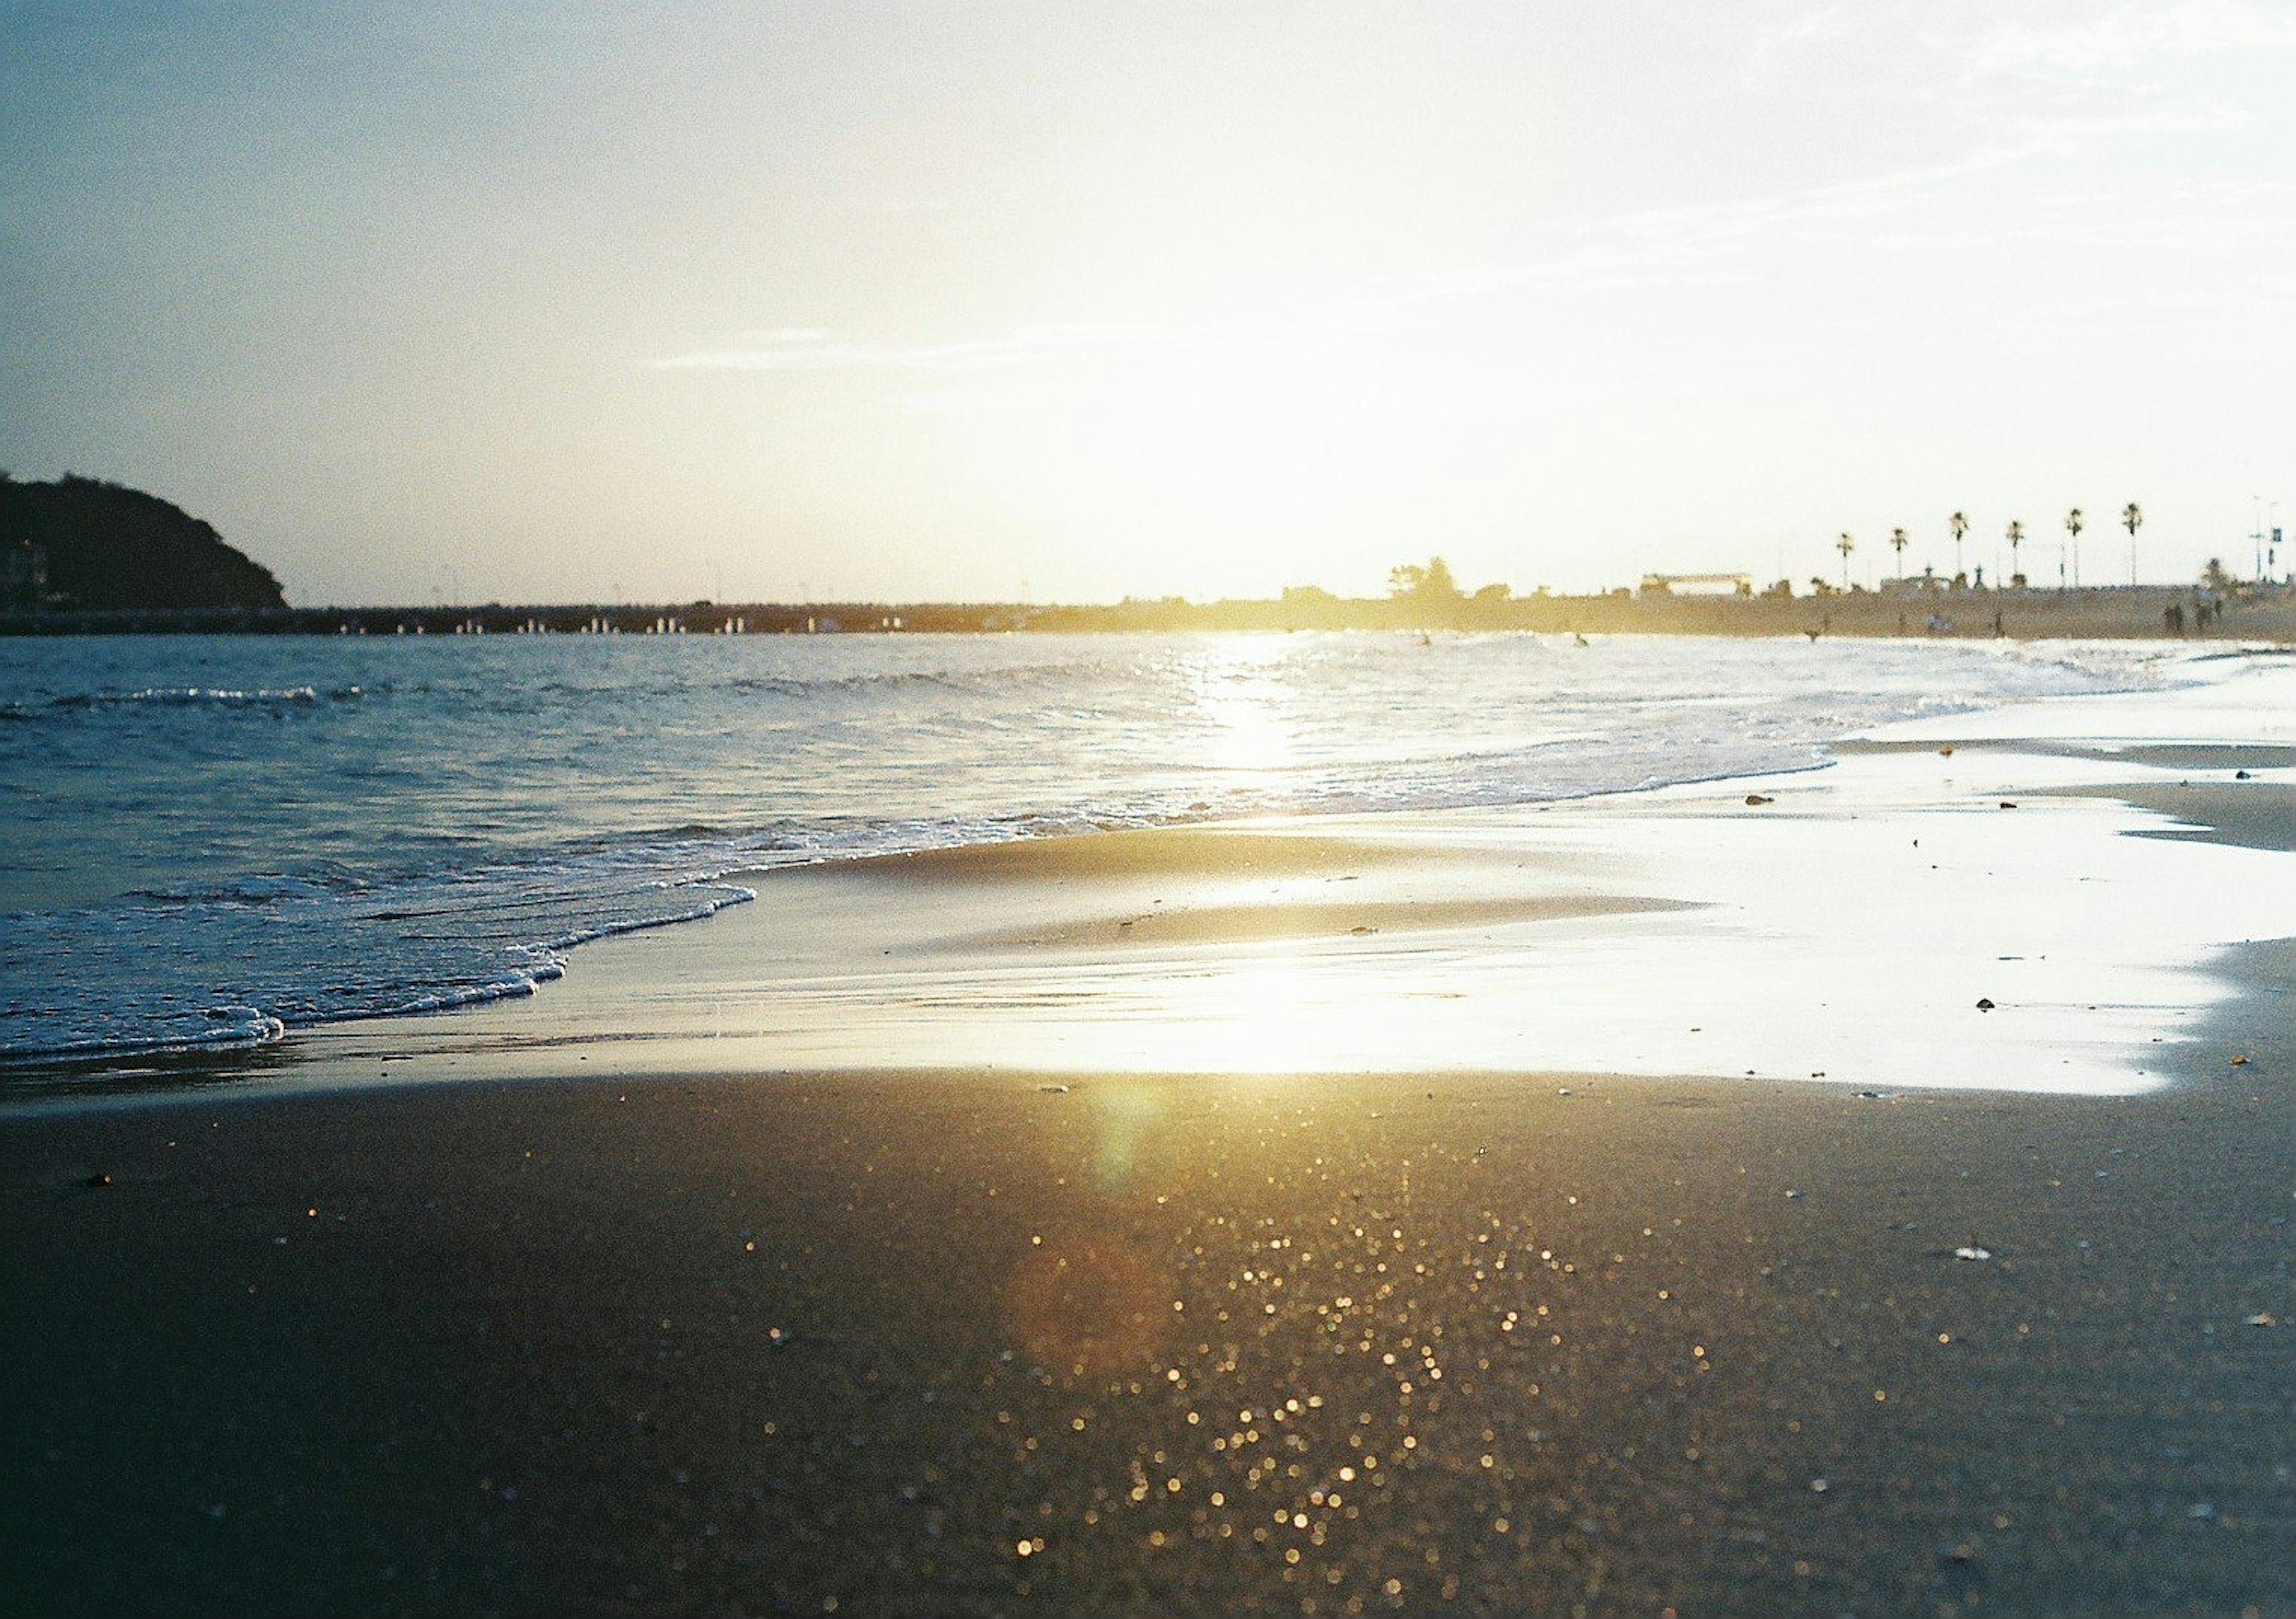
[629, 1320]
[1209, 1344]
[1913, 918]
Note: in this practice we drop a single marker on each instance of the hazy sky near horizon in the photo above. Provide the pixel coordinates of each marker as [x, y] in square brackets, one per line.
[754, 300]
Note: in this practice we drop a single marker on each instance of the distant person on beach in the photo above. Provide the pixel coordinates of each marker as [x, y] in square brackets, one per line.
[2172, 618]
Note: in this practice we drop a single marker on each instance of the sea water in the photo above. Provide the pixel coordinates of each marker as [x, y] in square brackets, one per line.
[211, 840]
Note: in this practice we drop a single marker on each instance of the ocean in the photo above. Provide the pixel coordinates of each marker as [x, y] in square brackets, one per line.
[212, 841]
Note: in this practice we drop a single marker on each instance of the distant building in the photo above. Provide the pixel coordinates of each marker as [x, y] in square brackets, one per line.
[1697, 585]
[23, 575]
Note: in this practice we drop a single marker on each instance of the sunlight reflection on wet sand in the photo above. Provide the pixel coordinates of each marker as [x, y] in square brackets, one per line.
[1913, 917]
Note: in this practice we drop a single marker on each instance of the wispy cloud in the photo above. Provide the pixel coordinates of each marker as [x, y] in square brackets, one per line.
[1980, 94]
[1659, 247]
[2125, 41]
[2059, 74]
[1713, 240]
[813, 349]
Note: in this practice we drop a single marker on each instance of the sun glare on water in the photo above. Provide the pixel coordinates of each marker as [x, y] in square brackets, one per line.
[1244, 703]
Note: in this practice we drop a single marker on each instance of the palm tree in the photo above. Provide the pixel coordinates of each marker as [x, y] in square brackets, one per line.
[1845, 546]
[2016, 538]
[1959, 524]
[1898, 544]
[2073, 526]
[2132, 518]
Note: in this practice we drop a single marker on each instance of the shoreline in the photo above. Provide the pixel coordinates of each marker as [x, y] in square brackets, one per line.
[248, 947]
[1332, 943]
[1841, 923]
[612, 1301]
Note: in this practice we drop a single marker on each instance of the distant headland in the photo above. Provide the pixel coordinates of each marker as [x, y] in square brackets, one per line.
[79, 544]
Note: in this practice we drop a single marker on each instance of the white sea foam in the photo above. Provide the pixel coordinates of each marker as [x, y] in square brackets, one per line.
[115, 979]
[178, 696]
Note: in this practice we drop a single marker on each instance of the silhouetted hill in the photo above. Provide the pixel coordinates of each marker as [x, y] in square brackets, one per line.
[108, 546]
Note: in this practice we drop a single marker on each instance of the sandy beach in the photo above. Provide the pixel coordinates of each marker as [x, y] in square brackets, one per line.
[1613, 1207]
[1158, 810]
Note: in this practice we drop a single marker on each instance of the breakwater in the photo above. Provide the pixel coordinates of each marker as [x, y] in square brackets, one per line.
[2110, 612]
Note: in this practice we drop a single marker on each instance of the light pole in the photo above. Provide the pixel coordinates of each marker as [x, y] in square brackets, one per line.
[2016, 538]
[1845, 546]
[2073, 526]
[2132, 518]
[1959, 524]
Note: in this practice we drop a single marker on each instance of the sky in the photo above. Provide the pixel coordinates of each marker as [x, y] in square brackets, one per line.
[1055, 301]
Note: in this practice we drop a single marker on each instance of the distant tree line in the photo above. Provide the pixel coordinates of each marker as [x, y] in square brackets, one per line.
[82, 542]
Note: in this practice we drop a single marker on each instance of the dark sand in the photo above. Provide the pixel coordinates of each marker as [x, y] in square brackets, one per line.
[513, 1347]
